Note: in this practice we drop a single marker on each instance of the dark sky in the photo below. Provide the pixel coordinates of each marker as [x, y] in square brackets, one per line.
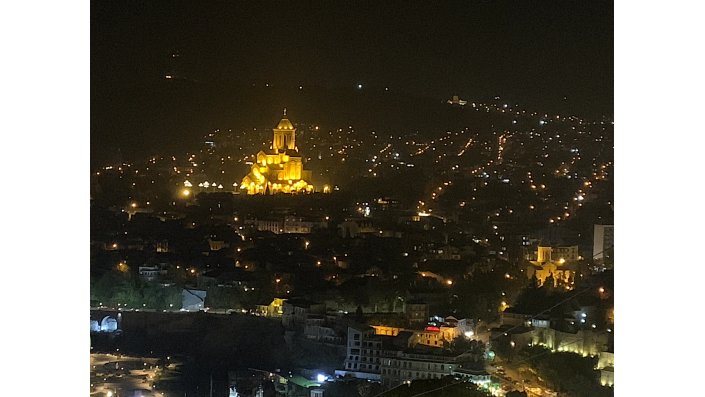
[531, 51]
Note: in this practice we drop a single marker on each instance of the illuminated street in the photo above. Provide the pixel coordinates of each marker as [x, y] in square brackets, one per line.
[518, 377]
[123, 376]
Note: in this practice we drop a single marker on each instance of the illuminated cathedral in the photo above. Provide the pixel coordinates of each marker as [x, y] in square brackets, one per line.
[282, 170]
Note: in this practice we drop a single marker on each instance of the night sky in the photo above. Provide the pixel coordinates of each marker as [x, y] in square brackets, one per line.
[535, 52]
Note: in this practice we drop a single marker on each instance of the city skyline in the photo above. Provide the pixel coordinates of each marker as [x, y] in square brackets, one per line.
[543, 55]
[354, 200]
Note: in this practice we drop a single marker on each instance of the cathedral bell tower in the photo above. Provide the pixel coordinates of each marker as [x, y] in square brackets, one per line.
[284, 135]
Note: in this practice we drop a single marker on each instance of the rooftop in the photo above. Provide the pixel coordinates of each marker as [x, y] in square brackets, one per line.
[285, 124]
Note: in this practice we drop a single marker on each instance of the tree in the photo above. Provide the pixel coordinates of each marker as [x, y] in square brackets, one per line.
[533, 283]
[364, 389]
[462, 344]
[473, 351]
[567, 372]
[549, 282]
[359, 316]
[502, 347]
[447, 387]
[114, 288]
[352, 388]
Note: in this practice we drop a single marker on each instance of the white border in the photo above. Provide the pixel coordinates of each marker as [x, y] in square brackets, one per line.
[44, 130]
[659, 197]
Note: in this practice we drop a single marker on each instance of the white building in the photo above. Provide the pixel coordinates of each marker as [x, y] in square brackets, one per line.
[152, 273]
[603, 244]
[606, 366]
[296, 311]
[288, 224]
[192, 299]
[364, 354]
[409, 366]
[457, 101]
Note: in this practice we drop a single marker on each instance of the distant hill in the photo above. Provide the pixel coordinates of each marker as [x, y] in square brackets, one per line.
[172, 115]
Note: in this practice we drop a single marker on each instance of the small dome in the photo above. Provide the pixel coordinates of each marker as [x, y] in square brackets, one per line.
[285, 124]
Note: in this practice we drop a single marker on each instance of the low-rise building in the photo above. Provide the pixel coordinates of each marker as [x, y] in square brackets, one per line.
[456, 101]
[162, 246]
[354, 227]
[409, 366]
[317, 328]
[556, 262]
[437, 333]
[514, 317]
[152, 273]
[387, 330]
[273, 309]
[446, 252]
[430, 336]
[586, 342]
[605, 364]
[217, 245]
[424, 363]
[295, 311]
[287, 224]
[518, 335]
[416, 313]
[560, 335]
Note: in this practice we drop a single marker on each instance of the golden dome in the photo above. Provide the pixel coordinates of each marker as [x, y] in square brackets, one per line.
[285, 124]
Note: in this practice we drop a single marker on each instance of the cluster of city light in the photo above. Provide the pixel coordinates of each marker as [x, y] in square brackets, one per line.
[580, 195]
[123, 267]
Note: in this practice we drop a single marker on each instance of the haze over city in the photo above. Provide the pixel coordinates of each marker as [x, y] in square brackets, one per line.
[548, 56]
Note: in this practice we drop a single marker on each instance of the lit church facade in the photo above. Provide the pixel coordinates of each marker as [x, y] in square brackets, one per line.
[282, 170]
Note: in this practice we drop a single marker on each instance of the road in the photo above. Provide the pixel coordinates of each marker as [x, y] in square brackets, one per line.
[207, 310]
[123, 376]
[515, 375]
[519, 376]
